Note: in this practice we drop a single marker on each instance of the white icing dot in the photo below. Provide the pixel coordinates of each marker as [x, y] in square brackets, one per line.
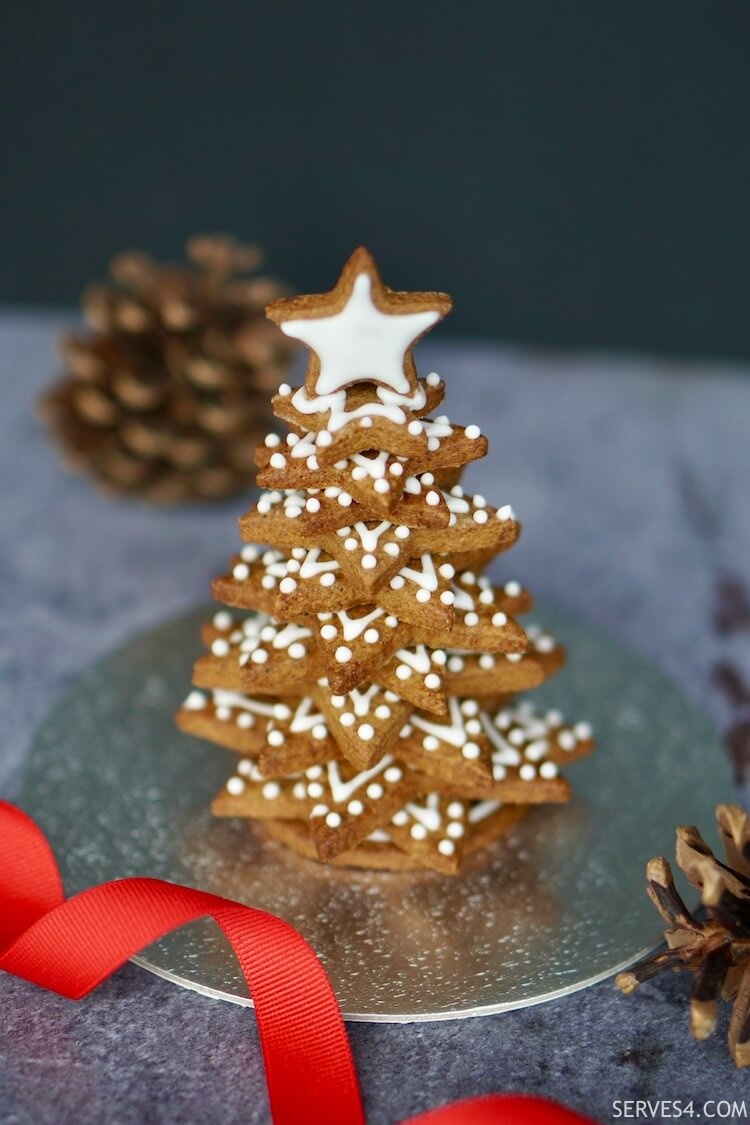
[391, 621]
[223, 620]
[344, 499]
[455, 664]
[583, 731]
[196, 701]
[486, 661]
[312, 463]
[333, 820]
[315, 789]
[260, 656]
[400, 818]
[324, 438]
[527, 772]
[343, 654]
[396, 469]
[554, 718]
[268, 582]
[366, 422]
[392, 775]
[223, 713]
[415, 427]
[513, 657]
[423, 595]
[506, 513]
[392, 549]
[447, 597]
[319, 810]
[470, 751]
[480, 516]
[381, 485]
[348, 719]
[293, 511]
[471, 619]
[438, 656]
[545, 643]
[382, 712]
[296, 650]
[512, 588]
[433, 444]
[285, 390]
[455, 829]
[366, 732]
[314, 772]
[402, 532]
[271, 441]
[566, 740]
[271, 790]
[241, 571]
[355, 808]
[548, 770]
[432, 498]
[245, 720]
[338, 700]
[312, 504]
[433, 379]
[536, 749]
[455, 810]
[371, 636]
[472, 432]
[328, 578]
[432, 681]
[276, 738]
[375, 791]
[287, 585]
[278, 461]
[499, 619]
[219, 647]
[418, 832]
[319, 732]
[329, 632]
[299, 791]
[446, 847]
[369, 562]
[350, 544]
[245, 767]
[430, 743]
[235, 786]
[403, 671]
[397, 582]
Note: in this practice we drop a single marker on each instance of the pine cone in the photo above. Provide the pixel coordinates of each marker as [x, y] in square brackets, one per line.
[167, 396]
[715, 949]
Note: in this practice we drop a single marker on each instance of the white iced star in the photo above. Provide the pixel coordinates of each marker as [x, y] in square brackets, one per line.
[361, 343]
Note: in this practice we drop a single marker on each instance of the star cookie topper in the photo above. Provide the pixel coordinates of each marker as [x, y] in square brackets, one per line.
[360, 331]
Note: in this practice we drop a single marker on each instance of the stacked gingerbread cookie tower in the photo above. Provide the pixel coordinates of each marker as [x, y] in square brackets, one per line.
[370, 693]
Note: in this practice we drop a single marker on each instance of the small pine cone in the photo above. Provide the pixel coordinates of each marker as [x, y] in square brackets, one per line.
[168, 393]
[714, 947]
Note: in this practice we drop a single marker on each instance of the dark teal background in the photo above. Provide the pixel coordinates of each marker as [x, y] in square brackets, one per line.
[574, 173]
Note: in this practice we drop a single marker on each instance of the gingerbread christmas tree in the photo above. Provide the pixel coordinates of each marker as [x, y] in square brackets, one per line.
[370, 694]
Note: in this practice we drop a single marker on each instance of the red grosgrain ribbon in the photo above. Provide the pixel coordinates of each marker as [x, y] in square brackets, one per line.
[71, 945]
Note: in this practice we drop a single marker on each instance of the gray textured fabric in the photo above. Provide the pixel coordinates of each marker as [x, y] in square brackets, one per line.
[631, 477]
